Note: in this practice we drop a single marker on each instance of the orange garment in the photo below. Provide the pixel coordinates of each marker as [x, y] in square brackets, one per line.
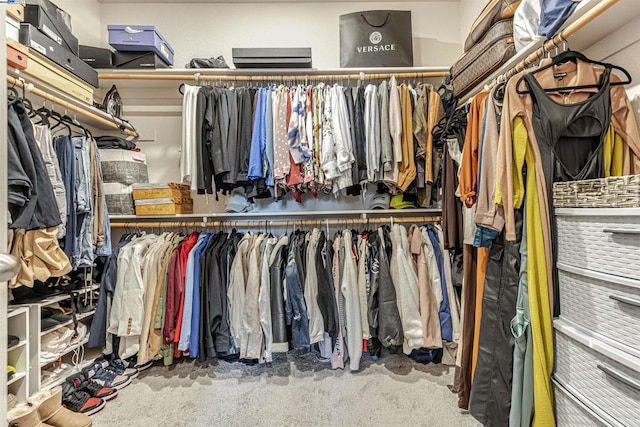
[471, 150]
[483, 259]
[408, 166]
[433, 116]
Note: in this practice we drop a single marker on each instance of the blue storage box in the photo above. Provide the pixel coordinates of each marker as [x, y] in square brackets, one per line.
[140, 38]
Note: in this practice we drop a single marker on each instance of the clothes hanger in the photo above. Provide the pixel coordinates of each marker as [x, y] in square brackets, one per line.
[574, 56]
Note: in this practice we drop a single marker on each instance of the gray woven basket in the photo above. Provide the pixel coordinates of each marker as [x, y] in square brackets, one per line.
[613, 192]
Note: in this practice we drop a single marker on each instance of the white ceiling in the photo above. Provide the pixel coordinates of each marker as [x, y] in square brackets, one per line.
[271, 1]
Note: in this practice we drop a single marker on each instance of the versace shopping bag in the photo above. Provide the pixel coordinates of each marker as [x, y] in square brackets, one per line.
[376, 38]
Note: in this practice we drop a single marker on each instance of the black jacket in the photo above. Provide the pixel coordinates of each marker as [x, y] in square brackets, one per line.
[32, 202]
[389, 323]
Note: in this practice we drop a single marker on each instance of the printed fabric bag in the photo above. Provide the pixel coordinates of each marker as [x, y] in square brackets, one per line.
[376, 38]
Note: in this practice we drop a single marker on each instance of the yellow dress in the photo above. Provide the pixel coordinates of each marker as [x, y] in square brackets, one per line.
[539, 305]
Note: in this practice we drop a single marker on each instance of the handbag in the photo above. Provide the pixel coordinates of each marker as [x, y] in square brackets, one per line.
[493, 12]
[376, 38]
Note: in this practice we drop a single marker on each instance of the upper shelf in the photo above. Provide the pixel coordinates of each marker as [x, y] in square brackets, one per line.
[87, 114]
[590, 28]
[173, 76]
[266, 214]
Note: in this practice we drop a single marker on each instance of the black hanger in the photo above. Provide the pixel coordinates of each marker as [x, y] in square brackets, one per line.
[575, 56]
[59, 121]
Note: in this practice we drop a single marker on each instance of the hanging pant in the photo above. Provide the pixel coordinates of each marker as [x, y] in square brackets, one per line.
[490, 400]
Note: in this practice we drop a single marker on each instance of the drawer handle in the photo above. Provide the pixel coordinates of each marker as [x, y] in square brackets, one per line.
[622, 230]
[621, 377]
[625, 300]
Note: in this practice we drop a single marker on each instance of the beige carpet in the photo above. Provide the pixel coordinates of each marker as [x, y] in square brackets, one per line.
[293, 391]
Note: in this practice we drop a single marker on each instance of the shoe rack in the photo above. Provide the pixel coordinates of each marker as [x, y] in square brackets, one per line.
[19, 355]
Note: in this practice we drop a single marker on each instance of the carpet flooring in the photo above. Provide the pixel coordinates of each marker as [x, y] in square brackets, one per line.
[294, 390]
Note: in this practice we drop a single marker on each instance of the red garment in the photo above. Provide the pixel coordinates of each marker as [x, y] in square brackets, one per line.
[185, 248]
[171, 307]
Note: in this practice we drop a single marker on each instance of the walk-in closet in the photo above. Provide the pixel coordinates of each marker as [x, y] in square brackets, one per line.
[315, 213]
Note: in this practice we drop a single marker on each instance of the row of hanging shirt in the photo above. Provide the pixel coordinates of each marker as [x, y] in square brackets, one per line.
[313, 139]
[56, 202]
[248, 296]
[568, 119]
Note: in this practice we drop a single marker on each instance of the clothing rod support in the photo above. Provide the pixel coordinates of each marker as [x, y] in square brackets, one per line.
[277, 223]
[67, 105]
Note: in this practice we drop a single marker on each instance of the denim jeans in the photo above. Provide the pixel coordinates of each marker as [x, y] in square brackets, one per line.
[296, 309]
[82, 178]
[67, 163]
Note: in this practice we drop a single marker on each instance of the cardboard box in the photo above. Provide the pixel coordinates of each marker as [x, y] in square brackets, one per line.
[133, 60]
[167, 190]
[31, 37]
[140, 38]
[272, 57]
[16, 11]
[46, 71]
[169, 206]
[43, 15]
[96, 57]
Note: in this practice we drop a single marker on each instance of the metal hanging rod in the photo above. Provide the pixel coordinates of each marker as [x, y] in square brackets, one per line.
[200, 77]
[555, 41]
[278, 223]
[114, 123]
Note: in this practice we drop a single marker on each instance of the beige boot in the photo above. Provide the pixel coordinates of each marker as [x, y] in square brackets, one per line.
[25, 416]
[51, 411]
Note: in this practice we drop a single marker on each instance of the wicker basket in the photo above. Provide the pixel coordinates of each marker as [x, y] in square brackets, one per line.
[613, 192]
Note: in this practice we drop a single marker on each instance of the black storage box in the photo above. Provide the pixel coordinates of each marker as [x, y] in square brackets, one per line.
[296, 57]
[138, 60]
[43, 15]
[96, 57]
[34, 39]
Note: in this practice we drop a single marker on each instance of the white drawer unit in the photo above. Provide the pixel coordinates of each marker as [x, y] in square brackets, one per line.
[608, 306]
[571, 412]
[606, 378]
[603, 240]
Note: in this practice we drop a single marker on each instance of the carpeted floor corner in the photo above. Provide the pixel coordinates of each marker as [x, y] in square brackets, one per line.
[294, 390]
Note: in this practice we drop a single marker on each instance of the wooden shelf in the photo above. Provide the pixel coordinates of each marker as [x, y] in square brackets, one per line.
[16, 377]
[79, 317]
[67, 351]
[17, 346]
[58, 298]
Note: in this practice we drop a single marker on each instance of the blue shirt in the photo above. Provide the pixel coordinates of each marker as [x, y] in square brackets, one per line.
[258, 138]
[189, 281]
[194, 339]
[445, 310]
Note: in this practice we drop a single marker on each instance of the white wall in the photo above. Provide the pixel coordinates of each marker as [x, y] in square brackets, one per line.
[211, 29]
[469, 11]
[85, 19]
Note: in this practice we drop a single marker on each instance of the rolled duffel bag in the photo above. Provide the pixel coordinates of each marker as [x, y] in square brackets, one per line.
[494, 11]
[493, 50]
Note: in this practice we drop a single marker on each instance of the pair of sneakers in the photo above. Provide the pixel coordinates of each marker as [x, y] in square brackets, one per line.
[110, 373]
[80, 394]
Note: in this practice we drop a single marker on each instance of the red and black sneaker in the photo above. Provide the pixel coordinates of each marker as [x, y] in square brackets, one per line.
[80, 401]
[94, 389]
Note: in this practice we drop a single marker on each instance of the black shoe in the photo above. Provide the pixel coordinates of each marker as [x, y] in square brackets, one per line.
[13, 341]
[80, 401]
[80, 382]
